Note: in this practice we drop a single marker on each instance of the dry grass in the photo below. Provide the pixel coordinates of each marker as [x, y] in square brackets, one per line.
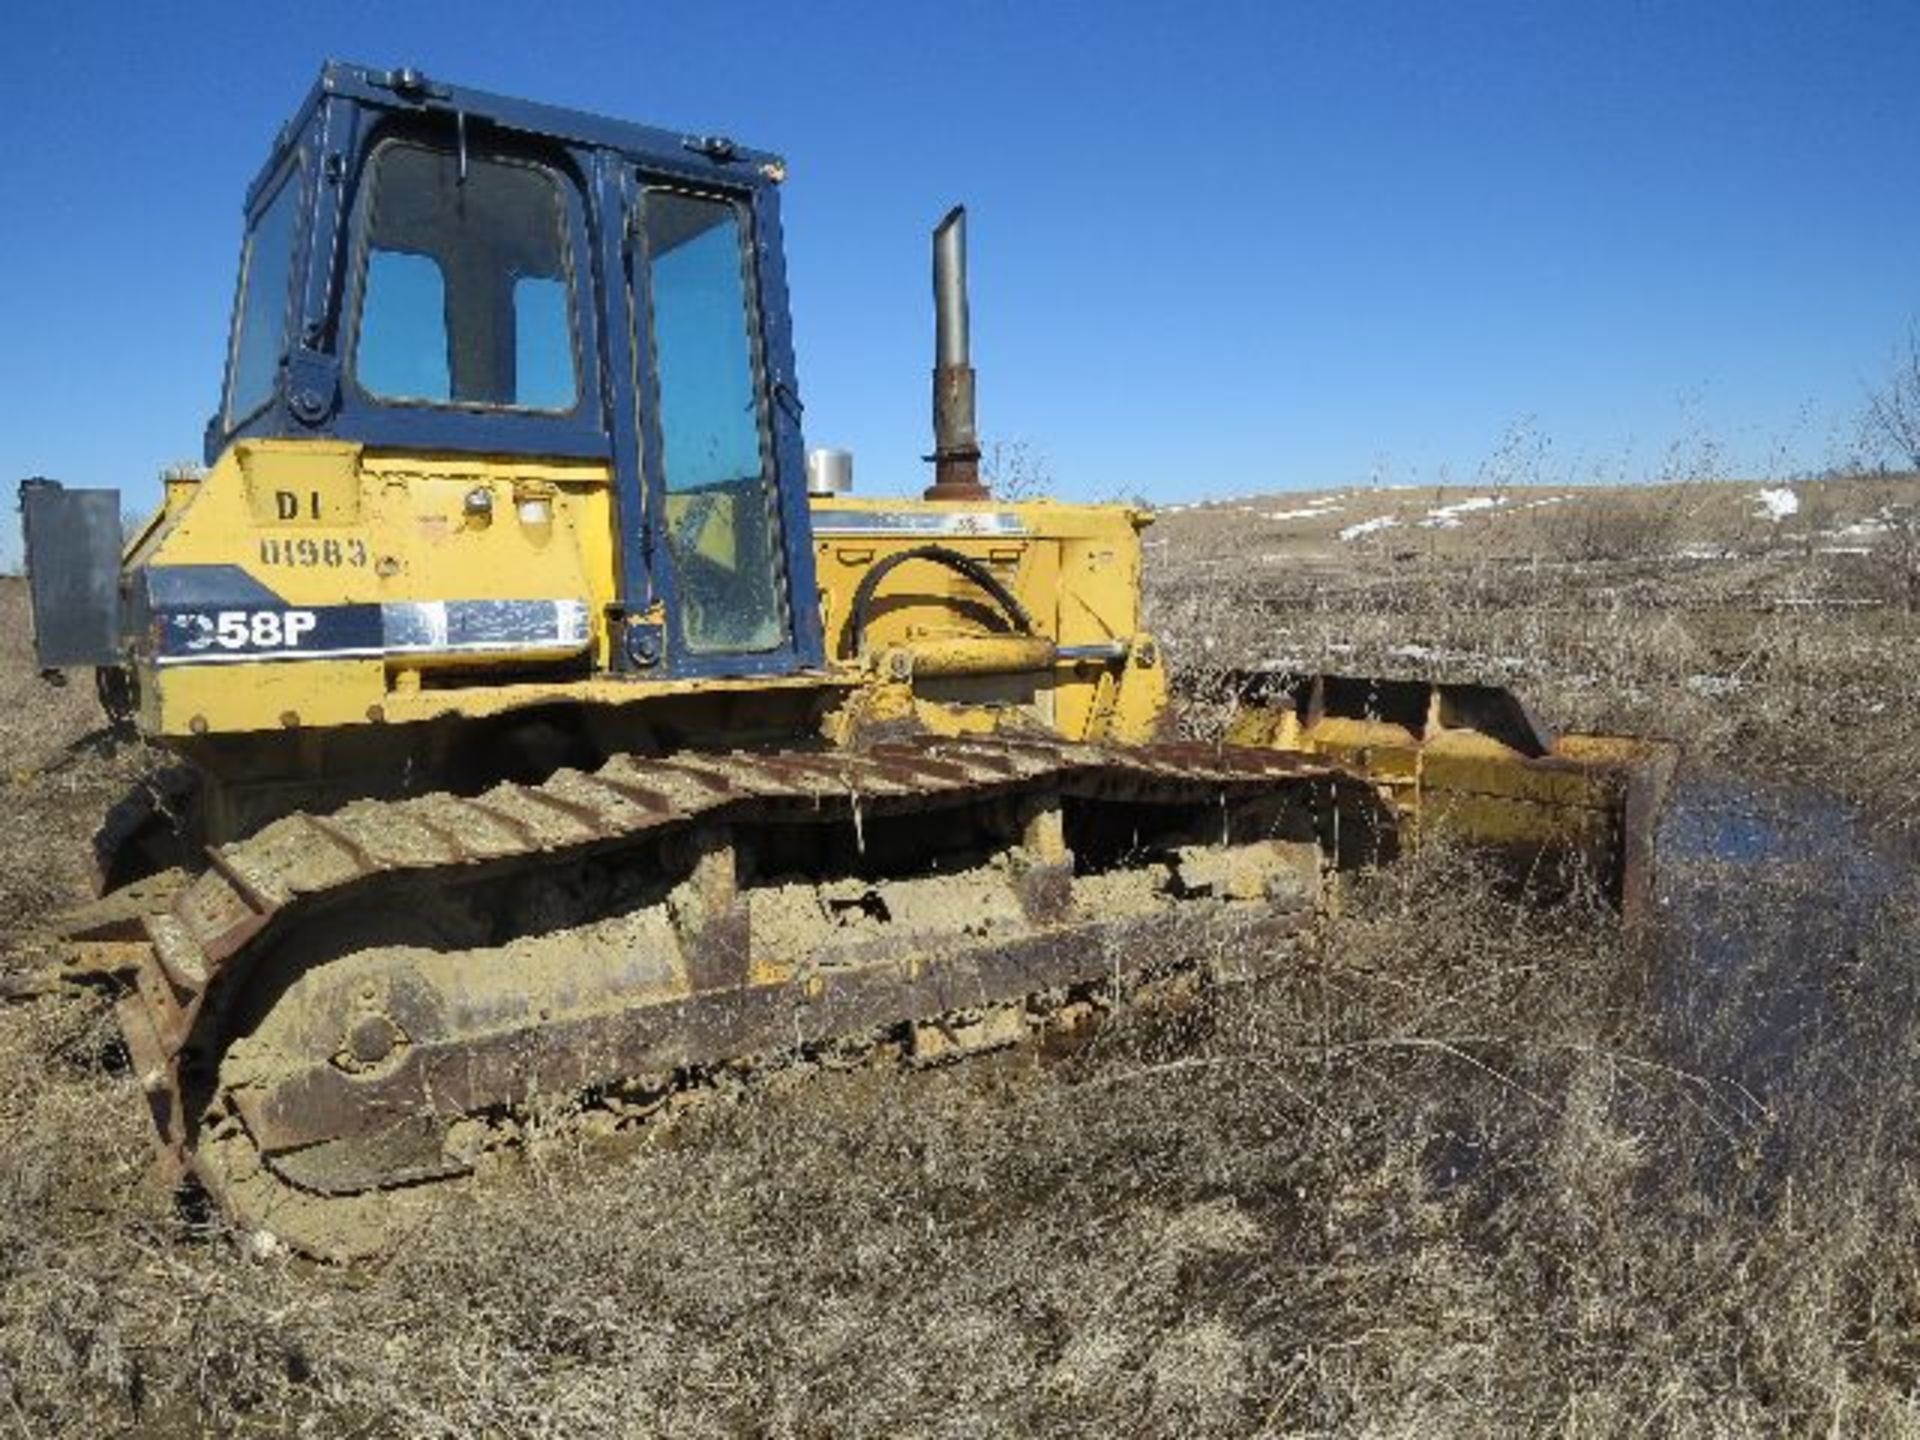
[1476, 1169]
[61, 769]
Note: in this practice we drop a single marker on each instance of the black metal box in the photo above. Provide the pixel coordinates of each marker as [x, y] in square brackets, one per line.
[73, 572]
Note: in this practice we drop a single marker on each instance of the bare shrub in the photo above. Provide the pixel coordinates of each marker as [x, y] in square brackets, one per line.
[1621, 524]
[1890, 426]
[1897, 551]
[1015, 470]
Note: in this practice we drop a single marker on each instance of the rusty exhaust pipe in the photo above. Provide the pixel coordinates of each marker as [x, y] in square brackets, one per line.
[956, 445]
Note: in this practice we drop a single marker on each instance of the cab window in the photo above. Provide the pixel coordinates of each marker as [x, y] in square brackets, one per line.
[465, 298]
[260, 317]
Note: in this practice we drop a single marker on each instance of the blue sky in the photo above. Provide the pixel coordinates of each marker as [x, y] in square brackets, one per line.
[1217, 247]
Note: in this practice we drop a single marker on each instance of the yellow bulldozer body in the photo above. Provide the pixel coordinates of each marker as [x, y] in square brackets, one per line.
[323, 525]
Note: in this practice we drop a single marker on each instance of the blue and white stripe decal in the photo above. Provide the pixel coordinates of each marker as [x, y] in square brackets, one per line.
[226, 634]
[917, 522]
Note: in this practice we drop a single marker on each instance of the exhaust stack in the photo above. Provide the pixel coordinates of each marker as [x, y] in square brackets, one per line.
[956, 446]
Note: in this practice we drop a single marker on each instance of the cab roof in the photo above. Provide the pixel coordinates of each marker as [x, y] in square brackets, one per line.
[409, 91]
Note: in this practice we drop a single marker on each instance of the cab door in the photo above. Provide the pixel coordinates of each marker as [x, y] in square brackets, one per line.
[723, 541]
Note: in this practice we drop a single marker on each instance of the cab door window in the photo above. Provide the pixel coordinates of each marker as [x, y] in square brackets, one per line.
[721, 520]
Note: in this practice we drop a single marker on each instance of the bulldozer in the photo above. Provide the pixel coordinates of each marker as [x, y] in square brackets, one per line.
[558, 731]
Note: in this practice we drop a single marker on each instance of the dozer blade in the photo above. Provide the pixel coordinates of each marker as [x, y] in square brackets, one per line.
[342, 1010]
[1470, 761]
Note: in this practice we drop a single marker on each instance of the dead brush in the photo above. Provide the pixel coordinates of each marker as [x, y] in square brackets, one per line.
[1895, 554]
[1635, 523]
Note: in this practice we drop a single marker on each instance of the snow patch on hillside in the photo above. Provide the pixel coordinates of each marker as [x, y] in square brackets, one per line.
[1368, 527]
[1313, 510]
[1875, 526]
[1447, 517]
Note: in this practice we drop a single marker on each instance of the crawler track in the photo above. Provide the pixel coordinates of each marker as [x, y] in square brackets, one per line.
[340, 1011]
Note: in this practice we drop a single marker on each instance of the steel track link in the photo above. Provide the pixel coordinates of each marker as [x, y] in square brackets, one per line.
[349, 1123]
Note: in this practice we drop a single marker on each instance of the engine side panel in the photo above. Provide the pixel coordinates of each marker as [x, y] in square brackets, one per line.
[309, 583]
[314, 585]
[1075, 570]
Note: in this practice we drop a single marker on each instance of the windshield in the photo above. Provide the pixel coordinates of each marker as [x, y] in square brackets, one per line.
[465, 297]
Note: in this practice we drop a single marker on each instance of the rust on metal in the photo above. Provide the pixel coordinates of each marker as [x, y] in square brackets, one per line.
[494, 816]
[448, 838]
[244, 887]
[341, 841]
[956, 446]
[579, 812]
[461, 1074]
[650, 801]
[908, 766]
[714, 781]
[703, 985]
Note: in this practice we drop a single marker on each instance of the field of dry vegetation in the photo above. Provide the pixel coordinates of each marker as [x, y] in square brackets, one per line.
[1472, 1169]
